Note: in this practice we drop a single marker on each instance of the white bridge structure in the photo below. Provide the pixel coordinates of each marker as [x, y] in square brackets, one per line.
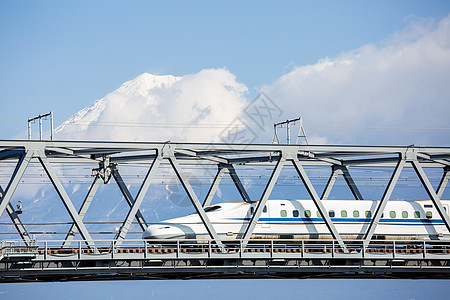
[29, 259]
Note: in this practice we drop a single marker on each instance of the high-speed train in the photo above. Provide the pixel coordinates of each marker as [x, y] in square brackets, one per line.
[300, 219]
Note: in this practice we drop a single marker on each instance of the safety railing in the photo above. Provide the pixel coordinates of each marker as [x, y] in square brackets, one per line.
[110, 249]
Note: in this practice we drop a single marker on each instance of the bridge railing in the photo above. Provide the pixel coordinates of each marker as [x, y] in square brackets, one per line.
[239, 248]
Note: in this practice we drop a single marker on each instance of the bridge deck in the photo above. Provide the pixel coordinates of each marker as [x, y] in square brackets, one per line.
[187, 259]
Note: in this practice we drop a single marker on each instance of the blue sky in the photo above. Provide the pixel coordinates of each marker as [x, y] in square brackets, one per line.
[62, 56]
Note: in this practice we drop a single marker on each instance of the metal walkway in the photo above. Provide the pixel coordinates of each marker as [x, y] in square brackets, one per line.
[106, 157]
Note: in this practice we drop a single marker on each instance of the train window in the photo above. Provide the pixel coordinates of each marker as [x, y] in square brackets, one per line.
[319, 215]
[308, 213]
[392, 214]
[331, 213]
[356, 214]
[265, 209]
[295, 213]
[344, 213]
[404, 214]
[283, 213]
[429, 214]
[252, 210]
[368, 214]
[417, 214]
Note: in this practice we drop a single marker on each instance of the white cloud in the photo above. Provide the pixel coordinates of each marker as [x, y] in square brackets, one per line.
[376, 95]
[193, 107]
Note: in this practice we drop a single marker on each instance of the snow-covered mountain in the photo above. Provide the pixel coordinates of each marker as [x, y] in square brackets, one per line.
[193, 107]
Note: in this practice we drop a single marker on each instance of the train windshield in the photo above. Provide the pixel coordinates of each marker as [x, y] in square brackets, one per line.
[210, 209]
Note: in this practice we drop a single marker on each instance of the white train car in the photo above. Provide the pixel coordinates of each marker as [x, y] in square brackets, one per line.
[300, 219]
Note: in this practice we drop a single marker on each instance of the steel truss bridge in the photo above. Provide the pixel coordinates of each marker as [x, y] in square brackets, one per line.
[89, 259]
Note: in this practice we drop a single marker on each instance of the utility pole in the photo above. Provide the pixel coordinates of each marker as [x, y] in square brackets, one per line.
[301, 131]
[40, 117]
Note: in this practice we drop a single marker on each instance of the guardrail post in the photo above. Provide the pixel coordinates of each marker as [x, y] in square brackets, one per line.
[363, 249]
[393, 251]
[424, 250]
[145, 249]
[79, 249]
[113, 248]
[45, 250]
[271, 248]
[332, 248]
[303, 248]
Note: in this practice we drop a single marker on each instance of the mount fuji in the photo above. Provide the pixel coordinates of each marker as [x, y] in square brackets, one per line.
[194, 107]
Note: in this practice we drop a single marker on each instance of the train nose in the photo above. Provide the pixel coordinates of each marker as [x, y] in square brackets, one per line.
[163, 232]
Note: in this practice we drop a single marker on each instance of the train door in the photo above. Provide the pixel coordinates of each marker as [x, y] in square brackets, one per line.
[265, 217]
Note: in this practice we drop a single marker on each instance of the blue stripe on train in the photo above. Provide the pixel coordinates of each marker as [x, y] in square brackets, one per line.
[344, 221]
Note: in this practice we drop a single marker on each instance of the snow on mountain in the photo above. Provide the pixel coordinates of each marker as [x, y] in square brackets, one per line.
[194, 107]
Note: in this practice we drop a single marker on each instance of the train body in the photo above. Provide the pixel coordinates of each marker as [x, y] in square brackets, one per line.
[300, 219]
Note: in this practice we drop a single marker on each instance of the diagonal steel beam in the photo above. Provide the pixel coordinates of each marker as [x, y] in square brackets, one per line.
[384, 200]
[351, 184]
[139, 198]
[234, 176]
[214, 186]
[129, 198]
[334, 174]
[443, 183]
[264, 197]
[315, 197]
[65, 199]
[341, 170]
[15, 179]
[198, 207]
[16, 221]
[431, 193]
[83, 209]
